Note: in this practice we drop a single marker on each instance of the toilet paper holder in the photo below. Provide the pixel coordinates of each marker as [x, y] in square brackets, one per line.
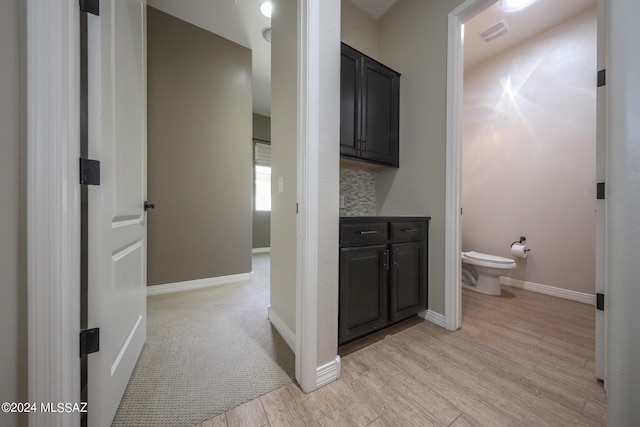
[522, 239]
[520, 250]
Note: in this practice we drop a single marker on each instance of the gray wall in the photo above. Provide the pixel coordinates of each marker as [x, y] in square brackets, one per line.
[528, 163]
[329, 180]
[358, 30]
[284, 161]
[13, 304]
[199, 153]
[413, 41]
[262, 219]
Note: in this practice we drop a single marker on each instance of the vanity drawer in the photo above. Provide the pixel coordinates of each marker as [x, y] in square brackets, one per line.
[364, 233]
[407, 231]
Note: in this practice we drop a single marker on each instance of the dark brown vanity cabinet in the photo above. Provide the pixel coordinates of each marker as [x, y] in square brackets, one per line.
[369, 109]
[383, 273]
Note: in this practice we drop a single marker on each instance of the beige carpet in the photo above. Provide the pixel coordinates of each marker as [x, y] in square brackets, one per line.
[207, 351]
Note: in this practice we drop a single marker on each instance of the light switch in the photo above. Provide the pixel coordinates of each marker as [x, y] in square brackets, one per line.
[280, 184]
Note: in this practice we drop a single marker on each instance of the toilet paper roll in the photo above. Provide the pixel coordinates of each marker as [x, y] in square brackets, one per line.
[520, 251]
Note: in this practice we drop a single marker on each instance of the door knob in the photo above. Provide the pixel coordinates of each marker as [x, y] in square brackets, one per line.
[148, 205]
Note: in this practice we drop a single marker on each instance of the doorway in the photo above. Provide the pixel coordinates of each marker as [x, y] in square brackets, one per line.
[528, 158]
[457, 18]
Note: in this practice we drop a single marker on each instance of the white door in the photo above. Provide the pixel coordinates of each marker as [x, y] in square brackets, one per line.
[117, 223]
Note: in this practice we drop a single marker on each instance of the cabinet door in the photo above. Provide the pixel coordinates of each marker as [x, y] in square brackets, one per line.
[380, 113]
[408, 280]
[350, 65]
[363, 291]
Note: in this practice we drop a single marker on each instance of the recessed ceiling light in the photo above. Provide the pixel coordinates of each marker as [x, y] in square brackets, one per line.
[266, 8]
[515, 5]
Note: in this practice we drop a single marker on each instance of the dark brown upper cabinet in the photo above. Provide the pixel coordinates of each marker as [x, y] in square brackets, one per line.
[369, 109]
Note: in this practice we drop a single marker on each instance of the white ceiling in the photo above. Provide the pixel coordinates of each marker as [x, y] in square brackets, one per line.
[241, 22]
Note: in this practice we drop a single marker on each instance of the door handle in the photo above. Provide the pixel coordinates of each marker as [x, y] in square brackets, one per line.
[148, 205]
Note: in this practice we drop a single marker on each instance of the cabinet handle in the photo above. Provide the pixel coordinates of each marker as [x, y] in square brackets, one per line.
[395, 258]
[411, 230]
[369, 232]
[385, 261]
[363, 146]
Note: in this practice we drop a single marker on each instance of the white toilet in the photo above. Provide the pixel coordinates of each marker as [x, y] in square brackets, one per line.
[481, 272]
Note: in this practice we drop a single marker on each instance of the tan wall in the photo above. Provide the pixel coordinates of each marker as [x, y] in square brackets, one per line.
[13, 304]
[329, 182]
[413, 41]
[358, 30]
[528, 163]
[261, 220]
[284, 161]
[199, 153]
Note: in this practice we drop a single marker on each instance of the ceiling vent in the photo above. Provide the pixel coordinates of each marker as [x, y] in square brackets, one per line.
[495, 31]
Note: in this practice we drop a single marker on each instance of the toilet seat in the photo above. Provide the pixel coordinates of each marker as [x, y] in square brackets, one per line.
[486, 260]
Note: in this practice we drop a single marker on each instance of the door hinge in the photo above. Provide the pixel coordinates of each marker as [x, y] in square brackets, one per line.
[600, 302]
[602, 77]
[90, 6]
[600, 191]
[89, 341]
[89, 172]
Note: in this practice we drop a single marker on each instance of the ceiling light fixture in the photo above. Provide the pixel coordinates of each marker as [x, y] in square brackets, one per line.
[515, 5]
[266, 8]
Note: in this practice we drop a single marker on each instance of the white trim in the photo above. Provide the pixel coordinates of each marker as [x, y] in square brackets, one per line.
[287, 334]
[260, 250]
[549, 290]
[328, 372]
[190, 285]
[307, 194]
[433, 317]
[455, 73]
[53, 206]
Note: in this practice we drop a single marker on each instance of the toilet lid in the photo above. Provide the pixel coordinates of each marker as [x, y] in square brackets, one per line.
[486, 257]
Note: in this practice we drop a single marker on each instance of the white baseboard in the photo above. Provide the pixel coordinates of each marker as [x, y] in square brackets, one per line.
[433, 317]
[549, 290]
[286, 334]
[260, 250]
[328, 373]
[191, 285]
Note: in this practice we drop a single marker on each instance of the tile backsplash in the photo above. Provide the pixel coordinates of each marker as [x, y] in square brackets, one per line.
[359, 191]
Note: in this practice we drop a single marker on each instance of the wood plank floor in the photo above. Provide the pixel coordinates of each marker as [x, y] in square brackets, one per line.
[521, 359]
